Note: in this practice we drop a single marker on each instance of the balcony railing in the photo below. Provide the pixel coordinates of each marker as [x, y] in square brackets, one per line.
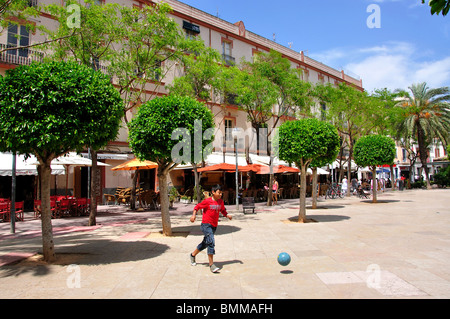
[19, 56]
[229, 60]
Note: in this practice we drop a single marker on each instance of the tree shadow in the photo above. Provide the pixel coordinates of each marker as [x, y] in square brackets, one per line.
[89, 252]
[321, 206]
[329, 218]
[381, 201]
[221, 230]
[320, 218]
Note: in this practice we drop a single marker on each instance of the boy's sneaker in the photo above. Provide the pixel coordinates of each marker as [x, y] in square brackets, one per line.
[214, 268]
[193, 263]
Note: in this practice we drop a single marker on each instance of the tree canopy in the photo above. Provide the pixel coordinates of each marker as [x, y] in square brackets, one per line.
[425, 115]
[165, 127]
[303, 141]
[49, 109]
[374, 150]
[439, 6]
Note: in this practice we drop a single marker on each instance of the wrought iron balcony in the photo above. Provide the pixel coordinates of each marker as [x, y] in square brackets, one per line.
[229, 60]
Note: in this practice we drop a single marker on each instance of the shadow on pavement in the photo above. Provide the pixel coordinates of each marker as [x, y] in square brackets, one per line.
[97, 252]
[320, 218]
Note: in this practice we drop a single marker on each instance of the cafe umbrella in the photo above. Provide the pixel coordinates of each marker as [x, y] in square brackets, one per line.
[134, 165]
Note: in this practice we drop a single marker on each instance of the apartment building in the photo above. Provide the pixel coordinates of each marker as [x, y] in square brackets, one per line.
[233, 41]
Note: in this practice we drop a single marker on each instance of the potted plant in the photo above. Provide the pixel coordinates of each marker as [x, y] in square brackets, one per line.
[185, 199]
[173, 196]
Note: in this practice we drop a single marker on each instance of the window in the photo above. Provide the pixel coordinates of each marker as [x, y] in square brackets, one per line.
[437, 152]
[156, 72]
[192, 30]
[18, 35]
[191, 35]
[323, 111]
[228, 129]
[227, 46]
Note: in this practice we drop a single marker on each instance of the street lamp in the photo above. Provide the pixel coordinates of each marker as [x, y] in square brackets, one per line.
[235, 133]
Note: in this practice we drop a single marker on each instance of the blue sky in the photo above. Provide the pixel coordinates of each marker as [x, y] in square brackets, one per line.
[410, 45]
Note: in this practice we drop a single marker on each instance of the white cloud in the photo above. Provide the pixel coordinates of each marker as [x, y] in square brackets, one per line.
[392, 65]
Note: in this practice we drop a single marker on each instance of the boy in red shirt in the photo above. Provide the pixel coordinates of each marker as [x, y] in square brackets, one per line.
[211, 208]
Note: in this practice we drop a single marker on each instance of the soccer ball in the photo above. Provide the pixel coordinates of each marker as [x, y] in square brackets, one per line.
[284, 259]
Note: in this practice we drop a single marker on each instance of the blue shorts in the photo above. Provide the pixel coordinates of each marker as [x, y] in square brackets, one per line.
[208, 239]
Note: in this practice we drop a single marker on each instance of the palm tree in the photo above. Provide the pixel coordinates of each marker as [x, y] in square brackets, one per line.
[426, 116]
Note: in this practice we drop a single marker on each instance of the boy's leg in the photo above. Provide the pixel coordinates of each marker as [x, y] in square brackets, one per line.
[195, 252]
[210, 259]
[208, 242]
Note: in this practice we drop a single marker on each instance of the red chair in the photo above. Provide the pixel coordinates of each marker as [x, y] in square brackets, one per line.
[4, 211]
[64, 207]
[54, 209]
[19, 211]
[82, 206]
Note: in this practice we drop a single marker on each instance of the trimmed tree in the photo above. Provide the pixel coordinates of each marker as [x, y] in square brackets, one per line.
[303, 141]
[49, 109]
[374, 150]
[333, 146]
[155, 134]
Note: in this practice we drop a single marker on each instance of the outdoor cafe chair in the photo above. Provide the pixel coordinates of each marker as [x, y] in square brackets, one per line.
[82, 207]
[54, 209]
[4, 211]
[64, 207]
[19, 211]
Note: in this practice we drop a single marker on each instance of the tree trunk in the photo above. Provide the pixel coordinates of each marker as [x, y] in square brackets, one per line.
[374, 184]
[269, 191]
[48, 246]
[422, 152]
[164, 198]
[94, 189]
[314, 186]
[302, 209]
[349, 167]
[391, 167]
[197, 183]
[133, 190]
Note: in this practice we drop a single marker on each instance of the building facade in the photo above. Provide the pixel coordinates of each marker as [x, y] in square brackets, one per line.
[233, 41]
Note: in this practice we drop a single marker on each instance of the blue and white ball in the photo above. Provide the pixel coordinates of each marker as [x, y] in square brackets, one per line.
[284, 259]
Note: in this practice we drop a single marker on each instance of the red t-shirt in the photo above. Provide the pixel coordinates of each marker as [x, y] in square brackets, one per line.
[211, 209]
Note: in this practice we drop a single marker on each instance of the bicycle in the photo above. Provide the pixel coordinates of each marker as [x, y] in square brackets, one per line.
[334, 191]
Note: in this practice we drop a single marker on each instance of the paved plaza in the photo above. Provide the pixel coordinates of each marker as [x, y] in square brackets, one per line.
[398, 248]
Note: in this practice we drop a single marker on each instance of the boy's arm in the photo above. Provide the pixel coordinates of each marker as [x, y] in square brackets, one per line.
[224, 211]
[197, 207]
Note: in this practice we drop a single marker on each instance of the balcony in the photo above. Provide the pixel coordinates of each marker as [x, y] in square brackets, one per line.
[229, 60]
[20, 56]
